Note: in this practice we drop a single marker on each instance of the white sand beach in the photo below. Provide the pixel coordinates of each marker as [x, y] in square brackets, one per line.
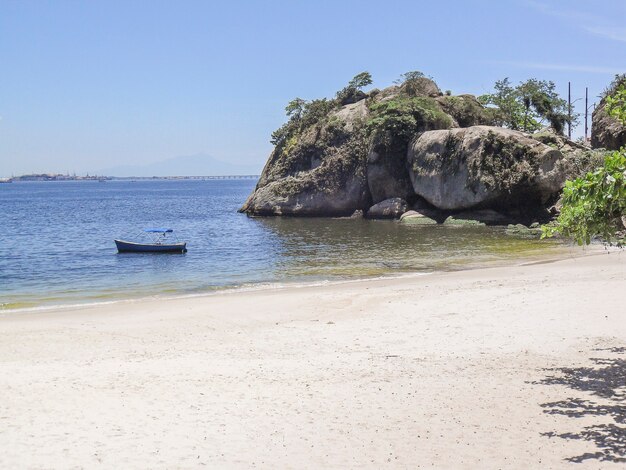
[446, 370]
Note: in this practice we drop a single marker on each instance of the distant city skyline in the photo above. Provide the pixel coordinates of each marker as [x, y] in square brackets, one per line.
[96, 85]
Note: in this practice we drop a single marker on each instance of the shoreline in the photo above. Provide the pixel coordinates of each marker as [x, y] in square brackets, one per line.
[461, 369]
[568, 252]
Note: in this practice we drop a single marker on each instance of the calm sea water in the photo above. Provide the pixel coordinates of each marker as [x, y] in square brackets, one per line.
[56, 243]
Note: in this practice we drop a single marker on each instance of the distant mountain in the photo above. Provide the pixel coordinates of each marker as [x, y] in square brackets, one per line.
[191, 165]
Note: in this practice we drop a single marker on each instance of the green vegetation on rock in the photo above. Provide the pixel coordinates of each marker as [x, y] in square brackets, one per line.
[417, 219]
[302, 115]
[521, 231]
[467, 110]
[616, 99]
[394, 122]
[463, 222]
[502, 164]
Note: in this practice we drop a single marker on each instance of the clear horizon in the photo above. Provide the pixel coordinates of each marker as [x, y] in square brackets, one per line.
[104, 84]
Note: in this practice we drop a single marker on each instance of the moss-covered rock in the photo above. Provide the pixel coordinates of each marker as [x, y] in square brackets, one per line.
[463, 222]
[519, 230]
[484, 167]
[466, 110]
[483, 216]
[417, 218]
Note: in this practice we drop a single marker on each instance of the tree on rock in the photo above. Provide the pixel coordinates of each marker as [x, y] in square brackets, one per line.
[509, 107]
[528, 106]
[295, 108]
[415, 83]
[353, 91]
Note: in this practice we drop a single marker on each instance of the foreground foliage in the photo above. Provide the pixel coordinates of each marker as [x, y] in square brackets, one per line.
[594, 204]
[616, 101]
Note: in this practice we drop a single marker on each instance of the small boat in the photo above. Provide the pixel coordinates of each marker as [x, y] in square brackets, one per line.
[159, 243]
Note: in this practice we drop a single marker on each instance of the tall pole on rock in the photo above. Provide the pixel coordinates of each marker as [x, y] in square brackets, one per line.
[586, 110]
[569, 110]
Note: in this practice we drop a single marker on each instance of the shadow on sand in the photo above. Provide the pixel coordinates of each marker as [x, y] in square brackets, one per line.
[606, 380]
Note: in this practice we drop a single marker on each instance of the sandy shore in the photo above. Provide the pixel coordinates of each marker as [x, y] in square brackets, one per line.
[450, 370]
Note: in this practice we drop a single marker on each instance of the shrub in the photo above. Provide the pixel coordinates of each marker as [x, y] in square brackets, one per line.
[616, 103]
[593, 204]
[394, 122]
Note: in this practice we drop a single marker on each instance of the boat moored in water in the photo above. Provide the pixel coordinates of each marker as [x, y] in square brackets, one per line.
[159, 244]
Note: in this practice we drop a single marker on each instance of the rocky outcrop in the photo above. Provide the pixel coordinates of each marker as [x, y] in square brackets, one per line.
[483, 166]
[349, 159]
[606, 131]
[408, 143]
[388, 209]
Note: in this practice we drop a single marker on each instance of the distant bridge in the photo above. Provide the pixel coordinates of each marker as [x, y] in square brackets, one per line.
[230, 177]
[145, 178]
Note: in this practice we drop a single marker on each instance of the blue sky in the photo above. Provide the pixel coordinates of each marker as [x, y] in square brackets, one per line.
[91, 85]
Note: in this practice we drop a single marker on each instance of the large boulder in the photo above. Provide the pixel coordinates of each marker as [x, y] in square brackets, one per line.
[389, 209]
[311, 195]
[606, 131]
[484, 167]
[421, 86]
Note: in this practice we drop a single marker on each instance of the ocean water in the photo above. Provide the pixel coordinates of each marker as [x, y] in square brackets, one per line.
[56, 243]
